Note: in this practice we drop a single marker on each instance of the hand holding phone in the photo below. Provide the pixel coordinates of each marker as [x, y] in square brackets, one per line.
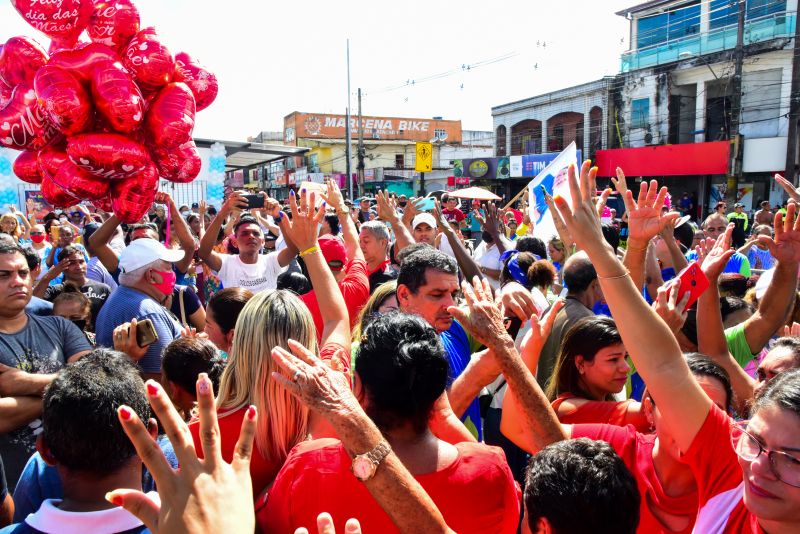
[426, 204]
[693, 281]
[254, 201]
[146, 333]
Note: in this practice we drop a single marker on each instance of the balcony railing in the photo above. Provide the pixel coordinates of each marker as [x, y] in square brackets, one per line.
[756, 30]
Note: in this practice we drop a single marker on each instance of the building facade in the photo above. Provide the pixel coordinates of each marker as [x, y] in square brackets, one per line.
[389, 150]
[674, 97]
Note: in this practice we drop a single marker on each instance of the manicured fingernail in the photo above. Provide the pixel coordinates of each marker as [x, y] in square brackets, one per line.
[251, 412]
[324, 204]
[303, 190]
[291, 192]
[152, 389]
[558, 198]
[114, 499]
[204, 384]
[125, 413]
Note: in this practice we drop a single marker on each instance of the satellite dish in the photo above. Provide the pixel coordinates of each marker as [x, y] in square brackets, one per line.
[648, 138]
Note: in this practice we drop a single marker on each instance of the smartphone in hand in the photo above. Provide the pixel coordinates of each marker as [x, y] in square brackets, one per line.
[146, 333]
[693, 281]
[254, 201]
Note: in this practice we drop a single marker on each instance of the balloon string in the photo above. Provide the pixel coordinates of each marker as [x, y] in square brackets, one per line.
[169, 225]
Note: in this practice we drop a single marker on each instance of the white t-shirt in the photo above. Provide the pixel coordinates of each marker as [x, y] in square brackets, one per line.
[253, 276]
[490, 259]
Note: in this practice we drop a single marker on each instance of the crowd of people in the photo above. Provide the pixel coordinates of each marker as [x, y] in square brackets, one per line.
[317, 365]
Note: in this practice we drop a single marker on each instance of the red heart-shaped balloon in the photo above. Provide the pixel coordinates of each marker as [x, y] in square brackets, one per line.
[58, 19]
[117, 98]
[82, 61]
[149, 61]
[108, 156]
[81, 184]
[55, 195]
[133, 197]
[24, 123]
[180, 164]
[113, 23]
[200, 80]
[103, 204]
[65, 101]
[5, 94]
[50, 159]
[170, 119]
[26, 167]
[20, 58]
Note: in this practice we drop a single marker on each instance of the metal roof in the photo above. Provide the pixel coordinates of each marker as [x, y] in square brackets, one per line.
[245, 155]
[646, 5]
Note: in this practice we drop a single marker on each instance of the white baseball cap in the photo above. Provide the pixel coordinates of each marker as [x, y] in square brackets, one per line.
[426, 218]
[144, 251]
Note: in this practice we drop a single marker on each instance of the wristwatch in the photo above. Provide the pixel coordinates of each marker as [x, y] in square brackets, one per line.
[343, 210]
[365, 465]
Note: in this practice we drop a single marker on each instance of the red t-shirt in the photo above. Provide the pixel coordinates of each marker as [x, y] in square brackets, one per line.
[262, 471]
[454, 214]
[355, 290]
[636, 450]
[476, 493]
[720, 484]
[599, 412]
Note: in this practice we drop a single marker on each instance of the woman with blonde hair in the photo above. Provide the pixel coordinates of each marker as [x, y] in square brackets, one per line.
[268, 320]
[10, 224]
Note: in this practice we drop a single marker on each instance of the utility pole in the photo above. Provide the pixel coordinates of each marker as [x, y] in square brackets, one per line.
[790, 172]
[736, 141]
[360, 150]
[347, 147]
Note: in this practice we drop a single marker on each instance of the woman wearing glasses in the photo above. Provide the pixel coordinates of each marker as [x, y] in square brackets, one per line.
[748, 474]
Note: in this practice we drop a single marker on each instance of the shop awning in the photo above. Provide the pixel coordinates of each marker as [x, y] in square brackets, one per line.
[689, 159]
[245, 155]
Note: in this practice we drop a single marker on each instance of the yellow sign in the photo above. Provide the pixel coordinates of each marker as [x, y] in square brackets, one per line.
[424, 157]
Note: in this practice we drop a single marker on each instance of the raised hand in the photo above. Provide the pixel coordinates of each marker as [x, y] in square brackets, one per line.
[645, 220]
[208, 495]
[124, 337]
[334, 197]
[785, 246]
[787, 186]
[162, 198]
[235, 203]
[313, 382]
[302, 229]
[441, 221]
[620, 184]
[668, 307]
[558, 221]
[534, 340]
[387, 206]
[483, 319]
[713, 255]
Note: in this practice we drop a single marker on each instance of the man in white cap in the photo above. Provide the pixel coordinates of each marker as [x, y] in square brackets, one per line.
[423, 228]
[145, 281]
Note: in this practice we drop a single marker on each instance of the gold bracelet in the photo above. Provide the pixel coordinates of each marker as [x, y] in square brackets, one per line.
[308, 251]
[617, 277]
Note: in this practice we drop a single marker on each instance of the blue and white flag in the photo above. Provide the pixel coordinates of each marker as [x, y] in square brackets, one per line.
[554, 179]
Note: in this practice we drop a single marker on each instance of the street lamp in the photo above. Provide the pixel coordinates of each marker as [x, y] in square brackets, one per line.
[690, 55]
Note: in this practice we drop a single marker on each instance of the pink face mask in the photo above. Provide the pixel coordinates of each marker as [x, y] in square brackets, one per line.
[168, 282]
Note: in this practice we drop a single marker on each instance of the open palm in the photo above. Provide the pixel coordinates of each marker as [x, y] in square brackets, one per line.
[785, 247]
[645, 220]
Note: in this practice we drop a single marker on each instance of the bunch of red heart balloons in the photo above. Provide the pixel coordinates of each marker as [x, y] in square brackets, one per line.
[99, 120]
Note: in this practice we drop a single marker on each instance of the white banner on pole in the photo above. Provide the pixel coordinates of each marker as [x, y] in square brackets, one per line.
[554, 179]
